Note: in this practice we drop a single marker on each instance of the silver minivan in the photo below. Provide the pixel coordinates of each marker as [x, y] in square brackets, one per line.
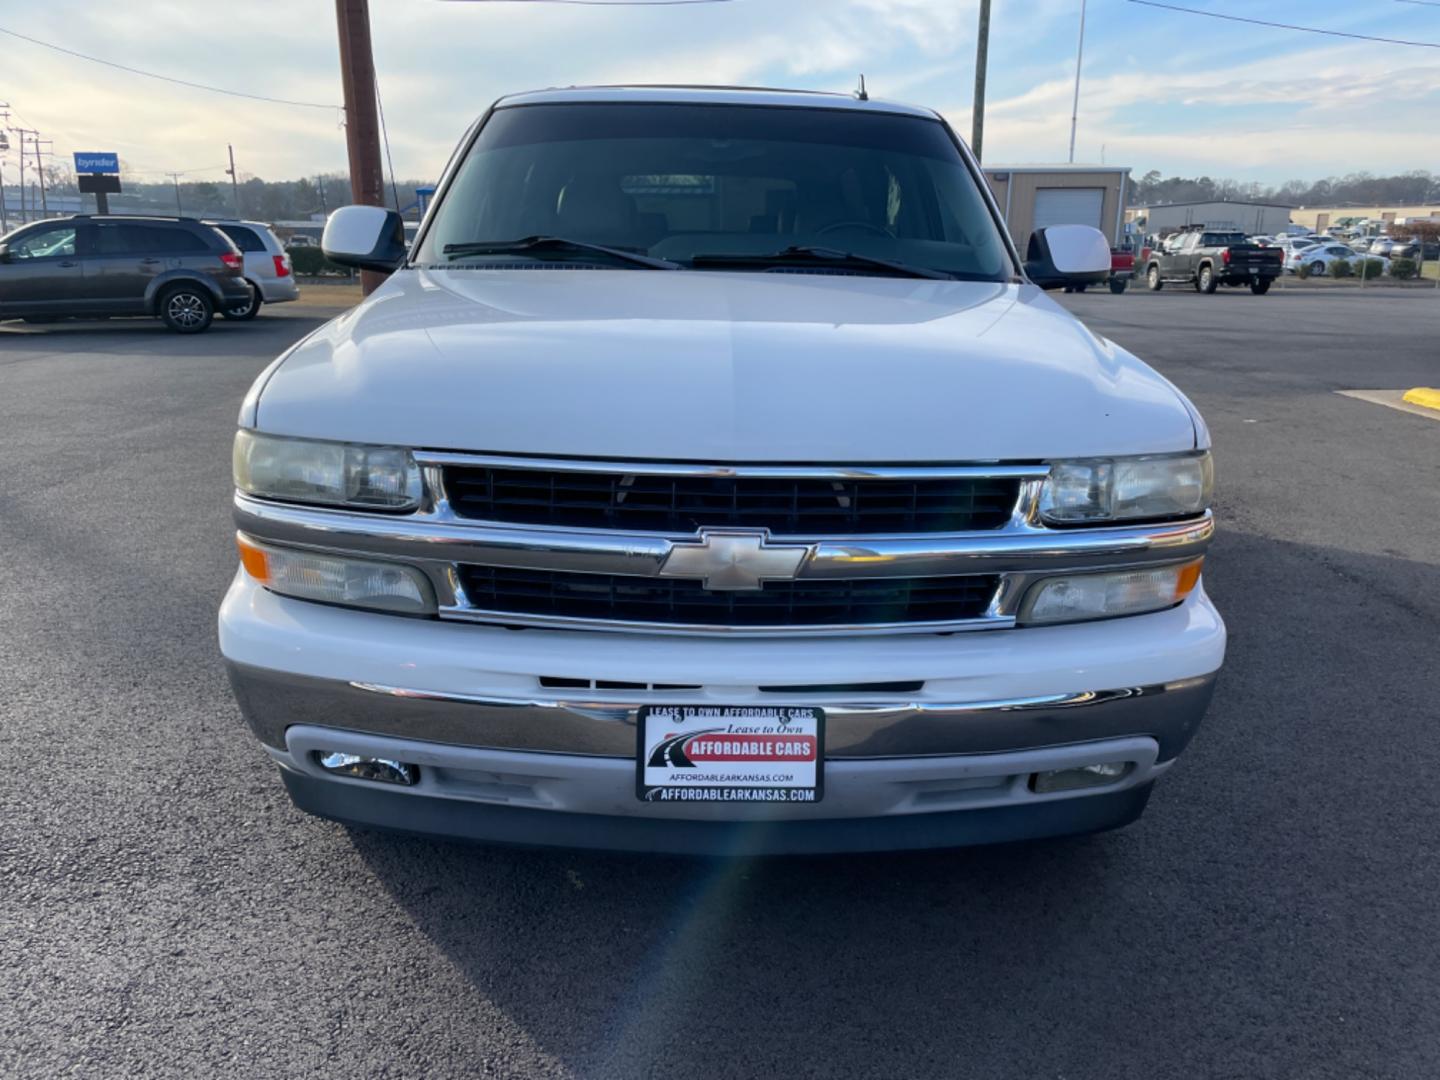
[267, 267]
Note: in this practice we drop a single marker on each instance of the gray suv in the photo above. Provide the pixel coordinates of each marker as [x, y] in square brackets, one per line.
[175, 269]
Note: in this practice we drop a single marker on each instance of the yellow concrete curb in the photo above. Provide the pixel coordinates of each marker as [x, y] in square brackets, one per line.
[1423, 395]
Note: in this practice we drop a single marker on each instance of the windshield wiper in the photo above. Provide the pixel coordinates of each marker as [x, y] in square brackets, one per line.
[540, 243]
[814, 253]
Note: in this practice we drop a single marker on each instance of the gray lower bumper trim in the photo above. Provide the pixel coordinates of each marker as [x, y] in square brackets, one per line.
[273, 701]
[369, 808]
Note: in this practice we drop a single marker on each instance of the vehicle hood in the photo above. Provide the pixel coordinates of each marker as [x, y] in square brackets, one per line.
[725, 367]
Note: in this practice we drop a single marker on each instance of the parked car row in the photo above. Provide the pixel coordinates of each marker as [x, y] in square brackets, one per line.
[1318, 253]
[179, 270]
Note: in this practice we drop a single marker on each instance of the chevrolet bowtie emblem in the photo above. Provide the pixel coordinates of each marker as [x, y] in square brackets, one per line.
[734, 560]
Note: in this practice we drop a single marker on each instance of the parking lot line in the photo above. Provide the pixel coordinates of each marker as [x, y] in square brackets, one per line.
[1398, 399]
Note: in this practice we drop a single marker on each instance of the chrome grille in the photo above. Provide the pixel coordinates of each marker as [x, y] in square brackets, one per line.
[795, 506]
[780, 604]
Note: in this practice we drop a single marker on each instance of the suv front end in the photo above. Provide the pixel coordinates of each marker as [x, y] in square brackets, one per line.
[600, 526]
[421, 668]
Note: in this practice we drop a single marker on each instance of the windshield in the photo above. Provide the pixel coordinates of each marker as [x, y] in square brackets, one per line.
[677, 181]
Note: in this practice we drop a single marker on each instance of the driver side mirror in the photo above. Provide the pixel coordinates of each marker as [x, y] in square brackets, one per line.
[365, 237]
[1061, 255]
[4, 253]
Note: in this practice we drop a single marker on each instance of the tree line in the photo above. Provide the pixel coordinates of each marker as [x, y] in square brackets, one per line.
[1415, 188]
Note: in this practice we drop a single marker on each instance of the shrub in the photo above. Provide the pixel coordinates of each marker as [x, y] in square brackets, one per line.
[1303, 270]
[1340, 268]
[1404, 269]
[1369, 268]
[311, 261]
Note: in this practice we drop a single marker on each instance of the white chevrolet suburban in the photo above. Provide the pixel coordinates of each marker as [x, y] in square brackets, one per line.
[714, 475]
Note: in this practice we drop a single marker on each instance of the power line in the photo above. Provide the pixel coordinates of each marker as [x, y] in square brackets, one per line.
[166, 78]
[1421, 3]
[1288, 26]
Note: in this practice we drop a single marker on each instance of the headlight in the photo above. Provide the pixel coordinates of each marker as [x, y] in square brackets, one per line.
[337, 579]
[1075, 597]
[1126, 488]
[336, 474]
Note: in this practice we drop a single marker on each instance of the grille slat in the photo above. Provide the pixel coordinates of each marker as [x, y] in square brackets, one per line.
[622, 598]
[806, 505]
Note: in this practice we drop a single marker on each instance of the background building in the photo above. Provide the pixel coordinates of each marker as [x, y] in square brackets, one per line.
[1254, 218]
[1033, 196]
[1318, 217]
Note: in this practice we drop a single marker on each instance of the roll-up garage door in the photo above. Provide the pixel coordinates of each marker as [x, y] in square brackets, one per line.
[1069, 206]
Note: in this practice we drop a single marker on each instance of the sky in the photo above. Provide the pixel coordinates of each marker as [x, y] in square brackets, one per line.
[1180, 93]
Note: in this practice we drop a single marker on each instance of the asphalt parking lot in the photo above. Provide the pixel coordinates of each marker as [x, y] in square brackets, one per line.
[1276, 913]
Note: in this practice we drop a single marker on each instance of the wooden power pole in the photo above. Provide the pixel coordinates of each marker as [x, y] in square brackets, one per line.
[362, 126]
[982, 56]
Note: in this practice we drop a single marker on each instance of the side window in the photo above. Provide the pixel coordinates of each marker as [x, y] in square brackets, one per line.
[172, 241]
[245, 239]
[45, 244]
[115, 239]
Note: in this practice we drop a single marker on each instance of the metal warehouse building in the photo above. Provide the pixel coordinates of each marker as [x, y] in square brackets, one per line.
[1248, 217]
[1033, 196]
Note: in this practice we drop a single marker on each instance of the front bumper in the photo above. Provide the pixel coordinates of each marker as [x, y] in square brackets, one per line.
[505, 757]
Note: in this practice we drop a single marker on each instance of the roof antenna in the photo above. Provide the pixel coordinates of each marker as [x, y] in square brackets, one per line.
[860, 94]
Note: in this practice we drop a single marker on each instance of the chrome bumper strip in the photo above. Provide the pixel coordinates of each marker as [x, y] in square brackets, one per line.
[740, 471]
[272, 701]
[438, 537]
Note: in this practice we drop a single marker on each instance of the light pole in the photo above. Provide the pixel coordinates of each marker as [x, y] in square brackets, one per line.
[1075, 105]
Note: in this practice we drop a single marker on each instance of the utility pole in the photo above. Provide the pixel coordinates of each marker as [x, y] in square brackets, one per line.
[40, 171]
[982, 52]
[35, 142]
[320, 183]
[362, 128]
[4, 146]
[1075, 105]
[175, 177]
[234, 180]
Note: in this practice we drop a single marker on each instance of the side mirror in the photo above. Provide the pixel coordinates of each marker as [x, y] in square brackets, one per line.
[1061, 255]
[365, 237]
[4, 253]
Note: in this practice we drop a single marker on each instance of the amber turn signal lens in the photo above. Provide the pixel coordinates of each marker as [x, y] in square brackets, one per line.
[1189, 578]
[252, 557]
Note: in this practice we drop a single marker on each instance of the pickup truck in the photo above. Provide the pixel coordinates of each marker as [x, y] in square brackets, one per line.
[714, 475]
[1208, 259]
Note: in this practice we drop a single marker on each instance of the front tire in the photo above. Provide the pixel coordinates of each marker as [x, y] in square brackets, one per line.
[186, 309]
[1153, 279]
[1207, 282]
[1261, 287]
[246, 311]
[1317, 269]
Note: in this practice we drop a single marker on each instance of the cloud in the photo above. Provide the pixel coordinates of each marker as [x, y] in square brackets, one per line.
[1253, 106]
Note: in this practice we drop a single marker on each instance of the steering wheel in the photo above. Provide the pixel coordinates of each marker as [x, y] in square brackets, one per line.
[836, 226]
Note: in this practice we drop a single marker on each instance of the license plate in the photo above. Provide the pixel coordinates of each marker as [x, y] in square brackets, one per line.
[730, 753]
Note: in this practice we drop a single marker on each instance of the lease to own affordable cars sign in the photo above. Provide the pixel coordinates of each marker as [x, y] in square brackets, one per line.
[730, 753]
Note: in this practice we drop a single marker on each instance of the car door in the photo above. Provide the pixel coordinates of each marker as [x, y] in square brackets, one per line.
[1176, 262]
[119, 267]
[42, 272]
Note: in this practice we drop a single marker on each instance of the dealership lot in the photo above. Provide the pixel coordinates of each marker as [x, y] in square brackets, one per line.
[166, 911]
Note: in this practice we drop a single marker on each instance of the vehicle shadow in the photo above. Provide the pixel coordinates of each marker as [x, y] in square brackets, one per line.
[1199, 941]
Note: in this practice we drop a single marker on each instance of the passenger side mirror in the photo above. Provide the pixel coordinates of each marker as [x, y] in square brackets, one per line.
[1061, 255]
[365, 237]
